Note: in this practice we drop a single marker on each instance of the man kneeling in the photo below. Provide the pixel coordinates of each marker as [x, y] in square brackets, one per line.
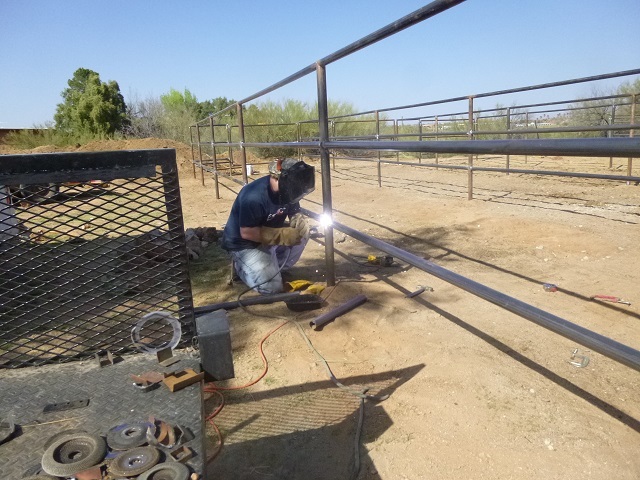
[255, 235]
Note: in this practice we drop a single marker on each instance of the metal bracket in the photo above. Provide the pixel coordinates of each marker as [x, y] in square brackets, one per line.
[579, 361]
[105, 359]
[181, 454]
[165, 357]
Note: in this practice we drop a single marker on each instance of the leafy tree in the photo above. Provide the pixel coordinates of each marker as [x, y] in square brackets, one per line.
[209, 107]
[91, 107]
[180, 112]
[179, 102]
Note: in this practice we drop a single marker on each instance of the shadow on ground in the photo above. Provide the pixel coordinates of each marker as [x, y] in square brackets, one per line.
[306, 431]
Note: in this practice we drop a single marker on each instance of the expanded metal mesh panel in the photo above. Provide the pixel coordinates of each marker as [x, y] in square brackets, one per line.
[89, 244]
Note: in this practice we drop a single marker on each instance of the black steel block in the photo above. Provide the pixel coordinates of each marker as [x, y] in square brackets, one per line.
[214, 340]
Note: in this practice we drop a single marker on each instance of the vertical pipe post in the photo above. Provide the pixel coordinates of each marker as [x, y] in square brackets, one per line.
[213, 145]
[298, 139]
[327, 203]
[470, 158]
[230, 149]
[200, 154]
[395, 131]
[378, 138]
[632, 120]
[610, 133]
[436, 125]
[193, 157]
[526, 122]
[508, 136]
[215, 161]
[243, 152]
[333, 134]
[420, 138]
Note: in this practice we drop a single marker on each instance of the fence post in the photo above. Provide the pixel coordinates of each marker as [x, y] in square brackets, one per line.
[327, 204]
[215, 160]
[228, 127]
[526, 123]
[333, 134]
[610, 133]
[200, 154]
[632, 120]
[378, 138]
[436, 126]
[508, 136]
[395, 131]
[193, 157]
[420, 138]
[243, 152]
[470, 159]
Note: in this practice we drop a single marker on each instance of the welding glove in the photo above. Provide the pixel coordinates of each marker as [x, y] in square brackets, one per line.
[280, 236]
[299, 222]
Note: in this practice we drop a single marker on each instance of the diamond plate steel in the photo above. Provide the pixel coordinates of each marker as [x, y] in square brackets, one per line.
[113, 400]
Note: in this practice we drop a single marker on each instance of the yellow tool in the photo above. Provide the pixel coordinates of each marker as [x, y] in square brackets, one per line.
[385, 261]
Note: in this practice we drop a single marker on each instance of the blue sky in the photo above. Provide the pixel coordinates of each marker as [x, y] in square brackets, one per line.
[236, 48]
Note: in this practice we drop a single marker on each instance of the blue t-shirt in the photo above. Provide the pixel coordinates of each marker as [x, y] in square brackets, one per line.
[255, 206]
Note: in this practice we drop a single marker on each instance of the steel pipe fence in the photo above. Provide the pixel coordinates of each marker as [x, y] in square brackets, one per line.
[90, 243]
[508, 130]
[598, 343]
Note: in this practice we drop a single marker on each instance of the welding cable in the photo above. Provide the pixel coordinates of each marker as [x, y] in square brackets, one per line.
[360, 394]
[214, 389]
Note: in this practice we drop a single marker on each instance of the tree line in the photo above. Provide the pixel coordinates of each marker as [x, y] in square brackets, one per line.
[92, 109]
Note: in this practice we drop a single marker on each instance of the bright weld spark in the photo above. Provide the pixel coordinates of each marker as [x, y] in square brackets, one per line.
[325, 220]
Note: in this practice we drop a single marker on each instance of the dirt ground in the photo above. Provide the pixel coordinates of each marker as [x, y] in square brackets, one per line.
[474, 391]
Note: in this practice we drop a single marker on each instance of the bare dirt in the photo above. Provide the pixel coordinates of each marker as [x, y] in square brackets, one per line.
[475, 392]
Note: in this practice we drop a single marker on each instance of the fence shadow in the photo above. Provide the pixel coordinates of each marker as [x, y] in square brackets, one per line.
[302, 431]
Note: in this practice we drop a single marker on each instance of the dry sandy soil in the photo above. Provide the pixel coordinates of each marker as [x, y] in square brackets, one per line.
[475, 392]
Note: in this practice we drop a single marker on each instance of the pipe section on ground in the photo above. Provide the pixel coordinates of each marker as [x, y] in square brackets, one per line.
[258, 300]
[325, 318]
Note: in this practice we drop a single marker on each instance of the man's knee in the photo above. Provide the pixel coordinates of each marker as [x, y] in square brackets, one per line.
[271, 287]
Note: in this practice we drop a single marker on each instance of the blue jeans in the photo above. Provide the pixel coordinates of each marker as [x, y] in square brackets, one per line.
[260, 267]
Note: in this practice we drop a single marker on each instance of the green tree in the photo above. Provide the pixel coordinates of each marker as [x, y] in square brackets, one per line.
[91, 107]
[210, 107]
[180, 112]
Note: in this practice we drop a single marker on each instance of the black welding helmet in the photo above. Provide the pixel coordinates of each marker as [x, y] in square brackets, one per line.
[295, 179]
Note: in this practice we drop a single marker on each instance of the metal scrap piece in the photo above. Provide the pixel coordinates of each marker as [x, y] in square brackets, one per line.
[181, 454]
[7, 429]
[58, 407]
[165, 357]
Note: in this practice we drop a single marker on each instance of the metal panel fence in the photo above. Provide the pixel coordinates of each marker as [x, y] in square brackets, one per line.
[89, 244]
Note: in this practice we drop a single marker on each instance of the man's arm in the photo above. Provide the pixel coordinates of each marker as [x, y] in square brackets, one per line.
[251, 233]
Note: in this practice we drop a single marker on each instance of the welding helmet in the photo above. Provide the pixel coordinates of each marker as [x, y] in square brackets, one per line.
[295, 179]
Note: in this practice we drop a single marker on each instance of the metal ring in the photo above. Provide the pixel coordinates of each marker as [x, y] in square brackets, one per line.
[72, 454]
[134, 462]
[127, 435]
[168, 471]
[159, 315]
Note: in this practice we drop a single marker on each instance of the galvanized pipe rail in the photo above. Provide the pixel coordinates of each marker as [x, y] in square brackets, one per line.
[590, 147]
[596, 342]
[552, 173]
[540, 86]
